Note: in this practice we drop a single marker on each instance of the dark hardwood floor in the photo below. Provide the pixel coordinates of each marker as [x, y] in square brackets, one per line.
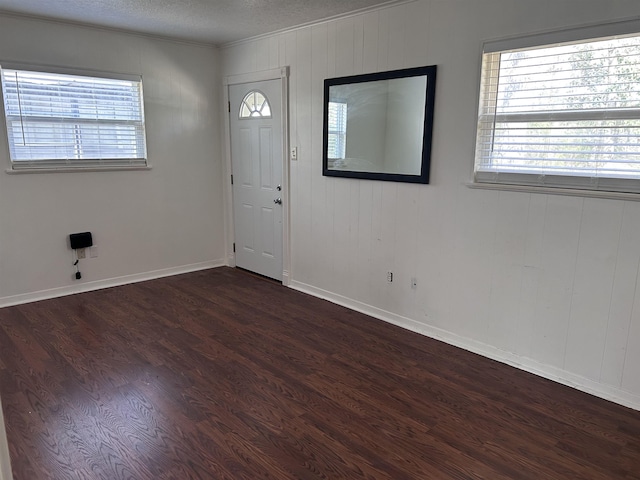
[224, 375]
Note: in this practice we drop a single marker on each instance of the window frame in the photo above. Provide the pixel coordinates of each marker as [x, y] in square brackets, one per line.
[72, 165]
[251, 115]
[534, 181]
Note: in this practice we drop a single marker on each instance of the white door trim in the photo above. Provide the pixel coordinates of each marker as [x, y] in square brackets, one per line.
[281, 74]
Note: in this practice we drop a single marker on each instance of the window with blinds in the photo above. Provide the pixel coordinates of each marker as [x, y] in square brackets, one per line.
[561, 115]
[337, 134]
[69, 121]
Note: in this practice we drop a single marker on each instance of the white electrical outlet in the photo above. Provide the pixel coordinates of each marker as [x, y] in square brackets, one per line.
[93, 252]
[389, 277]
[294, 153]
[82, 253]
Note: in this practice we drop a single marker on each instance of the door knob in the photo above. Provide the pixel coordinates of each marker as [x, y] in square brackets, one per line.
[278, 201]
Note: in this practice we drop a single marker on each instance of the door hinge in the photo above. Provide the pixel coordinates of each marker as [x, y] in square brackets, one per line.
[234, 247]
[229, 106]
[231, 179]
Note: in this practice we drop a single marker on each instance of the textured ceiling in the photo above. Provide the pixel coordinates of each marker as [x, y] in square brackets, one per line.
[209, 21]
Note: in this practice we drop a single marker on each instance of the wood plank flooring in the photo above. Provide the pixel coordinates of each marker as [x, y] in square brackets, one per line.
[224, 375]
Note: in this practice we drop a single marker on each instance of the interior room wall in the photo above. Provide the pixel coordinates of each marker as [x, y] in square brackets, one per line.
[544, 282]
[145, 223]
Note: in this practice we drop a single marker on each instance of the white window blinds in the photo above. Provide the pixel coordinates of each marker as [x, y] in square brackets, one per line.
[337, 133]
[565, 115]
[58, 120]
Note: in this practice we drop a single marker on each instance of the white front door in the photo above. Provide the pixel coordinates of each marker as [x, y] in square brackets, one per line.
[257, 163]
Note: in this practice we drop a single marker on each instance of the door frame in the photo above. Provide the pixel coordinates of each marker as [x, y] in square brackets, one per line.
[281, 74]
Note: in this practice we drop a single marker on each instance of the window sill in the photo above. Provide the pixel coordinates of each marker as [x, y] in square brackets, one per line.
[573, 192]
[21, 171]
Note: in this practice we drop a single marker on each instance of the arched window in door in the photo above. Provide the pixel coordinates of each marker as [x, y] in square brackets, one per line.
[255, 105]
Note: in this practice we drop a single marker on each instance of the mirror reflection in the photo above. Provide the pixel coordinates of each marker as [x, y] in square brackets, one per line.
[379, 125]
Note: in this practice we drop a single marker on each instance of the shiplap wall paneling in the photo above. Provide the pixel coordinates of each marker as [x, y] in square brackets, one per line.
[623, 296]
[546, 282]
[431, 299]
[302, 176]
[631, 368]
[323, 187]
[531, 274]
[407, 246]
[507, 256]
[340, 61]
[557, 268]
[470, 263]
[592, 286]
[370, 35]
[369, 193]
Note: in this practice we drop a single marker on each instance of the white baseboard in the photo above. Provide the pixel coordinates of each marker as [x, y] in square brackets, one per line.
[523, 363]
[5, 463]
[107, 283]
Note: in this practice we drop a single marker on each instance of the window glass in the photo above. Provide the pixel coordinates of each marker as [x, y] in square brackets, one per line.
[56, 120]
[255, 104]
[562, 115]
[337, 135]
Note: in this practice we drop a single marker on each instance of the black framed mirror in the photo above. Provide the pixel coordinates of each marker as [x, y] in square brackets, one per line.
[379, 126]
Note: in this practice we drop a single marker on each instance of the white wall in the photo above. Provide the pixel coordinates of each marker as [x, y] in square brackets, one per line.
[545, 282]
[145, 223]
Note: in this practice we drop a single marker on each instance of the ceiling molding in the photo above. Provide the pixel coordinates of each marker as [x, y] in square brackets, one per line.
[354, 13]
